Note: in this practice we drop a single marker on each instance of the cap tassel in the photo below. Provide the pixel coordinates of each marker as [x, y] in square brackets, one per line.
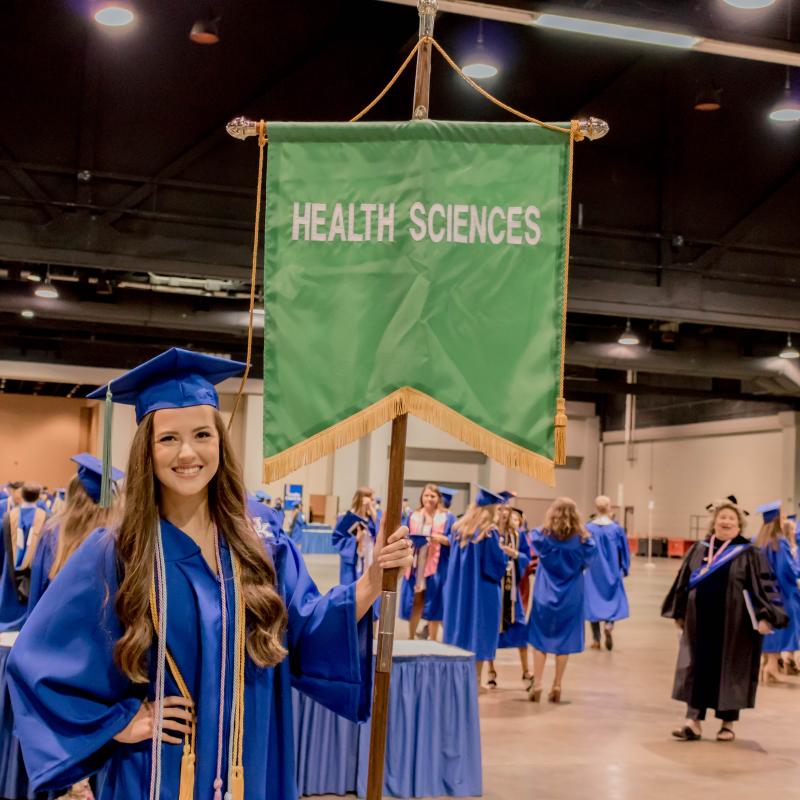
[237, 783]
[561, 432]
[186, 786]
[105, 479]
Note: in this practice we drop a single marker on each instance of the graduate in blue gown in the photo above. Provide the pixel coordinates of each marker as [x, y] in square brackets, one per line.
[564, 548]
[421, 593]
[21, 530]
[266, 521]
[513, 613]
[355, 543]
[606, 600]
[92, 690]
[776, 540]
[472, 589]
[80, 514]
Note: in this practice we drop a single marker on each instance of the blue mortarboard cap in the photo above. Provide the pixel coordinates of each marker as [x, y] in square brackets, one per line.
[506, 495]
[175, 379]
[447, 495]
[770, 511]
[487, 498]
[349, 521]
[90, 471]
[262, 496]
[792, 517]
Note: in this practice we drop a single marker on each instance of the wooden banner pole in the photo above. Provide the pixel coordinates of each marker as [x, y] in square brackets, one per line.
[394, 499]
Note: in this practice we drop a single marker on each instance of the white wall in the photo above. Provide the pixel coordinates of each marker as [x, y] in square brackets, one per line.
[683, 468]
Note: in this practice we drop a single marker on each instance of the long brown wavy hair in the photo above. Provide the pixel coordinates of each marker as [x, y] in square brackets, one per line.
[78, 517]
[476, 518]
[563, 520]
[265, 610]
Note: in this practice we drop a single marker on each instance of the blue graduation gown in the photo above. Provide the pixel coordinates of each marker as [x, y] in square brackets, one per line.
[70, 699]
[349, 568]
[556, 623]
[12, 612]
[433, 609]
[786, 570]
[606, 599]
[472, 596]
[41, 565]
[516, 635]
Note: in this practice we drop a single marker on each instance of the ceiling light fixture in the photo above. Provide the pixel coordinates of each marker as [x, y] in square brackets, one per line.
[27, 313]
[788, 107]
[614, 30]
[790, 351]
[628, 336]
[749, 4]
[708, 98]
[205, 31]
[114, 14]
[480, 64]
[34, 277]
[46, 290]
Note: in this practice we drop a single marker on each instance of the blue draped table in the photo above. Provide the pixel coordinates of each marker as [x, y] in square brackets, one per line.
[316, 540]
[434, 745]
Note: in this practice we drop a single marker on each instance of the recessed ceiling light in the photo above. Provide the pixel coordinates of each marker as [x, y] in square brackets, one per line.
[114, 15]
[27, 313]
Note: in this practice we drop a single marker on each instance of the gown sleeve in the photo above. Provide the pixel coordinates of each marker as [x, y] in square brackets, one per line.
[493, 559]
[40, 567]
[674, 605]
[624, 551]
[68, 697]
[764, 592]
[330, 654]
[524, 557]
[345, 544]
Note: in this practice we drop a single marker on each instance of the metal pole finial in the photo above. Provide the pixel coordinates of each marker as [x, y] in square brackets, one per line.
[593, 128]
[242, 128]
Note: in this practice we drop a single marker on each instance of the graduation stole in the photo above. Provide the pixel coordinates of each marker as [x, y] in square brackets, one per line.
[416, 524]
[510, 538]
[236, 743]
[723, 556]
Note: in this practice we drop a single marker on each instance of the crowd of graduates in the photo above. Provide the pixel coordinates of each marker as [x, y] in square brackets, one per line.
[490, 581]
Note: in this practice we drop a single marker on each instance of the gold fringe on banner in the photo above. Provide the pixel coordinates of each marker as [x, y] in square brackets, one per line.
[409, 401]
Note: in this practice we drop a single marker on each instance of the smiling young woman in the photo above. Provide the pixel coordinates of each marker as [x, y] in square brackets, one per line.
[181, 626]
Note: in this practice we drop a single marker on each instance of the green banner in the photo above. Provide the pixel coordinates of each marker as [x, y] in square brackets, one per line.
[418, 267]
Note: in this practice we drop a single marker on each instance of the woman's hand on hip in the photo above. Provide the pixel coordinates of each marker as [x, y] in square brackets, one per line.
[177, 718]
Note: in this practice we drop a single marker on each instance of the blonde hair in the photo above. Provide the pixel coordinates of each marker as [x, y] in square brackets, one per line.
[732, 507]
[79, 516]
[476, 518]
[563, 520]
[358, 498]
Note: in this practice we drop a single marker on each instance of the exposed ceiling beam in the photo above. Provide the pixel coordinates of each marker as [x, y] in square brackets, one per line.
[716, 43]
[27, 184]
[790, 180]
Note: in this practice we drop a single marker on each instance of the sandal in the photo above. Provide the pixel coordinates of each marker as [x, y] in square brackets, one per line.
[725, 734]
[534, 694]
[555, 695]
[686, 734]
[609, 639]
[492, 682]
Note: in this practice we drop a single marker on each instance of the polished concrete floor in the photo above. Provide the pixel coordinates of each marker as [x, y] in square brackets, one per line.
[610, 738]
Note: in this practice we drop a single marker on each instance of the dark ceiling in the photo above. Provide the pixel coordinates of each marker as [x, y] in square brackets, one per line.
[115, 167]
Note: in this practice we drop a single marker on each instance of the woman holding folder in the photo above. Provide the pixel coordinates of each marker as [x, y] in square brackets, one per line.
[724, 600]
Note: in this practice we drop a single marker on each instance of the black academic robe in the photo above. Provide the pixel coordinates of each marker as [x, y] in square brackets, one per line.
[719, 655]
